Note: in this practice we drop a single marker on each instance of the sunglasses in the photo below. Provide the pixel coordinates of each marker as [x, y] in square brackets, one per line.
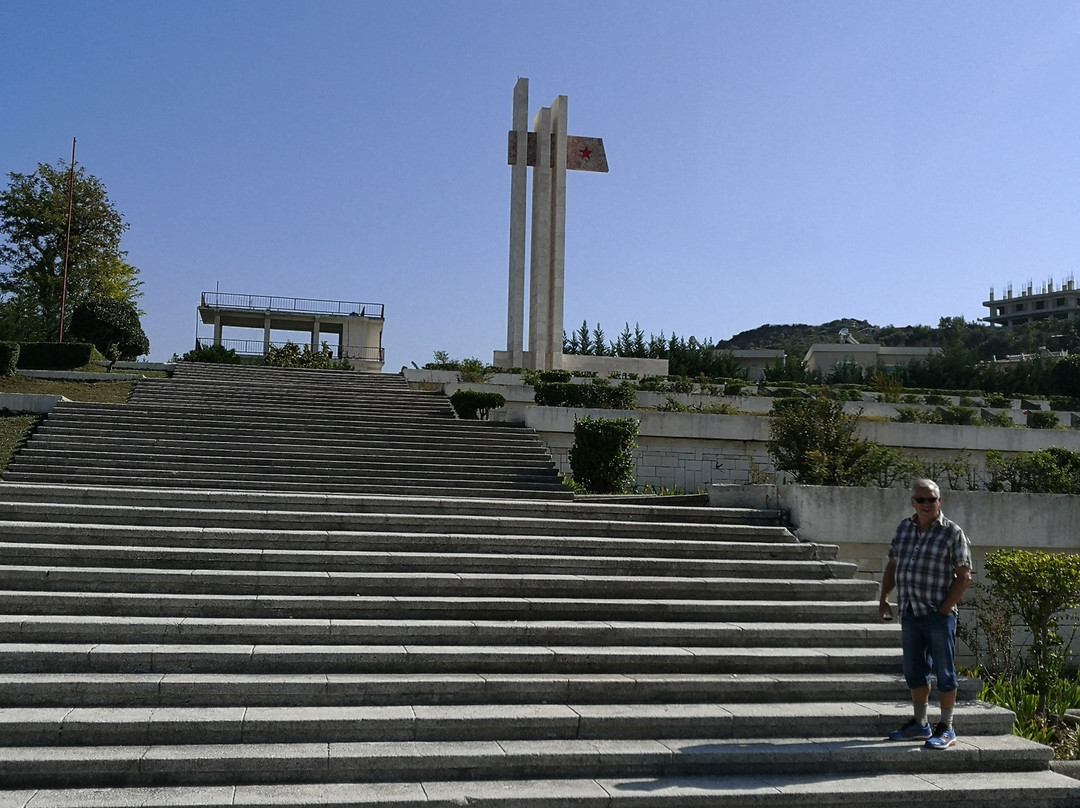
[924, 500]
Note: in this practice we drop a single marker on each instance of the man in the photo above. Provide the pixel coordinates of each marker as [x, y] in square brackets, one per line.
[930, 566]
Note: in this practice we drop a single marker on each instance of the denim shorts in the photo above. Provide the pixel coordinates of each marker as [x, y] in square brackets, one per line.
[929, 642]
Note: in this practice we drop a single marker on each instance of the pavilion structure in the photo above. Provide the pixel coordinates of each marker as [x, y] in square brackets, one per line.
[357, 326]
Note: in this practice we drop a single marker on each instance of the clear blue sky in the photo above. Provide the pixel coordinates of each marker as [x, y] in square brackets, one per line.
[771, 162]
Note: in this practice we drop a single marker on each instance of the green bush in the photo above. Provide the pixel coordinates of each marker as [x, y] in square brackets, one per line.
[1039, 587]
[597, 395]
[291, 355]
[473, 405]
[212, 353]
[112, 326]
[997, 400]
[959, 416]
[54, 355]
[473, 371]
[814, 440]
[9, 358]
[602, 457]
[1055, 470]
[997, 419]
[1041, 419]
[555, 376]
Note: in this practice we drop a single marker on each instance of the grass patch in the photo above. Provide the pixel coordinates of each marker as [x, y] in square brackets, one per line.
[13, 431]
[97, 392]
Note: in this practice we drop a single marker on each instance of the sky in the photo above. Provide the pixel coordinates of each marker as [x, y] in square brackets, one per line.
[771, 161]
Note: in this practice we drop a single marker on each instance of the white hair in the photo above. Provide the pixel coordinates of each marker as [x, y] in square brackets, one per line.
[926, 485]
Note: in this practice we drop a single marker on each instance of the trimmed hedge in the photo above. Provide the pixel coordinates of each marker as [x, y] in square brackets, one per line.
[597, 395]
[9, 358]
[54, 355]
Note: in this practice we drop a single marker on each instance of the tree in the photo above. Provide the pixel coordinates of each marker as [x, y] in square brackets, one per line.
[814, 440]
[33, 220]
[112, 326]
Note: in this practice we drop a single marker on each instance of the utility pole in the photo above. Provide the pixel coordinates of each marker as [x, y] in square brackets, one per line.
[67, 241]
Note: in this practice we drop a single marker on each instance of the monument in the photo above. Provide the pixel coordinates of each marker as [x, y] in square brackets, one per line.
[551, 153]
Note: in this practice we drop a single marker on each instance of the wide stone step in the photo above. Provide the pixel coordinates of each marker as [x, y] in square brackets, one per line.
[316, 689]
[31, 602]
[329, 463]
[401, 761]
[355, 632]
[443, 481]
[764, 524]
[273, 421]
[164, 480]
[44, 578]
[123, 726]
[327, 659]
[440, 560]
[290, 399]
[822, 790]
[432, 446]
[285, 520]
[222, 539]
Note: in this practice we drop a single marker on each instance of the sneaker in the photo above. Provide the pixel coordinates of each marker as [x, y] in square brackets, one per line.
[943, 737]
[912, 731]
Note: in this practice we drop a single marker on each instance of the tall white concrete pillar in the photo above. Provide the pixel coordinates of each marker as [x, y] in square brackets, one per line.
[315, 335]
[558, 232]
[217, 327]
[515, 321]
[540, 254]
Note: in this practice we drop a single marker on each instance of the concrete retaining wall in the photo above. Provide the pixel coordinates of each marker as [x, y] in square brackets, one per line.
[691, 451]
[28, 402]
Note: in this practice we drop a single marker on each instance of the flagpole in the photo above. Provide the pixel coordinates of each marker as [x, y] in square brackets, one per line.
[67, 241]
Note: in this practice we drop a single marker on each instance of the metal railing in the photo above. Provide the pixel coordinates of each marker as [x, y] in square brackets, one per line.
[257, 347]
[339, 308]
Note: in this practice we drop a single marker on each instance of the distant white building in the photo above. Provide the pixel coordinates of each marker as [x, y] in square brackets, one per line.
[826, 357]
[1048, 303]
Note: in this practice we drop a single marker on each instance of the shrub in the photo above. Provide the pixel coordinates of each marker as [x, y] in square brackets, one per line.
[1055, 470]
[602, 457]
[212, 353]
[997, 419]
[997, 401]
[1040, 419]
[291, 355]
[112, 326]
[54, 356]
[814, 440]
[472, 405]
[597, 395]
[473, 371]
[958, 416]
[9, 358]
[934, 398]
[555, 376]
[1038, 587]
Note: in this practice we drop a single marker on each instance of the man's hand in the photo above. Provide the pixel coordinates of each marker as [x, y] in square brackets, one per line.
[885, 612]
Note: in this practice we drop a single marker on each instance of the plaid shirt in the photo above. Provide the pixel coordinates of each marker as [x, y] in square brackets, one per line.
[926, 563]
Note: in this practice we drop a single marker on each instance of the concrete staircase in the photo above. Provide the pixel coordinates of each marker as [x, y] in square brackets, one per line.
[166, 645]
[255, 428]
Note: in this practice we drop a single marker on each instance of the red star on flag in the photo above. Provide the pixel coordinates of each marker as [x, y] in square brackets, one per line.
[586, 153]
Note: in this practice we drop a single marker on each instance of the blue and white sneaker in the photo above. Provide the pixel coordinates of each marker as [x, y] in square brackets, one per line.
[944, 736]
[912, 731]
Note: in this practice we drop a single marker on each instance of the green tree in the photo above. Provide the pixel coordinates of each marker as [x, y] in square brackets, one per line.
[814, 440]
[1039, 587]
[33, 221]
[112, 326]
